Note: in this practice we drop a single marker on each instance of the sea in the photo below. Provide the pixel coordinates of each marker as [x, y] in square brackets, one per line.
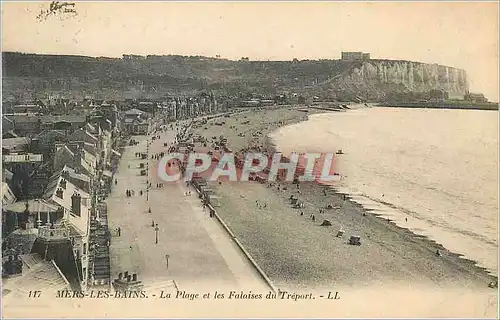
[432, 171]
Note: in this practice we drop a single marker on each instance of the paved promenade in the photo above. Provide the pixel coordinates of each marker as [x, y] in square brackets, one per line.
[200, 253]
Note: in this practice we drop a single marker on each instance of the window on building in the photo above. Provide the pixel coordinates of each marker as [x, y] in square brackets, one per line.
[84, 273]
[84, 248]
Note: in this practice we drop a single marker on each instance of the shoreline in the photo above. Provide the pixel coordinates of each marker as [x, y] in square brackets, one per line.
[425, 246]
[486, 106]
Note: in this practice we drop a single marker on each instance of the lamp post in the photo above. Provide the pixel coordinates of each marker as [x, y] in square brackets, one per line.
[156, 233]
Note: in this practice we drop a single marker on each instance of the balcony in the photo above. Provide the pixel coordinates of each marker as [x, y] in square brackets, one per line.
[57, 233]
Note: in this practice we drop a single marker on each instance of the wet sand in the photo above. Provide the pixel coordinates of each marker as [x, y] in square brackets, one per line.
[297, 253]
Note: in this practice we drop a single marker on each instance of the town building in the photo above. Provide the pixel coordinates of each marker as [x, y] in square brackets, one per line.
[15, 145]
[355, 56]
[475, 97]
[8, 196]
[135, 122]
[60, 165]
[27, 108]
[30, 272]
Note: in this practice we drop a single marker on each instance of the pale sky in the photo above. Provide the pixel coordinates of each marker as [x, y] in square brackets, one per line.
[460, 34]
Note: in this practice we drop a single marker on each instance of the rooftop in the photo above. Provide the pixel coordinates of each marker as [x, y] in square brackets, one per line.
[45, 133]
[14, 142]
[34, 205]
[80, 223]
[134, 112]
[83, 135]
[38, 274]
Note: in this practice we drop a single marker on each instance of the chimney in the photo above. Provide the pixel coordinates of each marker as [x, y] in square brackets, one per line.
[120, 276]
[60, 193]
[76, 203]
[65, 174]
[126, 274]
[128, 278]
[62, 184]
[134, 277]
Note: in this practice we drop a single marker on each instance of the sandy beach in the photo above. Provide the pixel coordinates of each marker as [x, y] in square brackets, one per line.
[297, 253]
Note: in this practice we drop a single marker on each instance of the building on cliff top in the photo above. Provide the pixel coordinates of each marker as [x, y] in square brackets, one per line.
[355, 56]
[475, 97]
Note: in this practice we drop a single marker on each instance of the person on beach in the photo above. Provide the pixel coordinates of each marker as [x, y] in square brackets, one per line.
[313, 218]
[119, 230]
[301, 213]
[116, 182]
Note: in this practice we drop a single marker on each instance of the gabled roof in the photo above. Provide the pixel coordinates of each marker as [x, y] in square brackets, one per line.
[50, 192]
[34, 205]
[50, 132]
[65, 149]
[84, 135]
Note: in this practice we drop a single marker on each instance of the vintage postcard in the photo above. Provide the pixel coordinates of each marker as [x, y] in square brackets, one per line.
[249, 159]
